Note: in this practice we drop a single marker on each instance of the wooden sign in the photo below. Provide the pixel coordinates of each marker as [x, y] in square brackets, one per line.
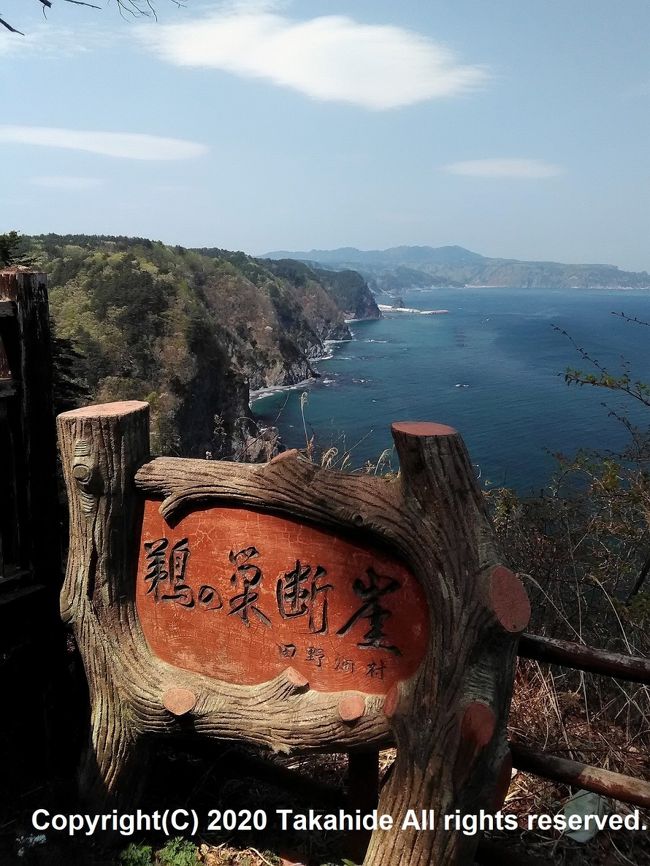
[296, 609]
[241, 595]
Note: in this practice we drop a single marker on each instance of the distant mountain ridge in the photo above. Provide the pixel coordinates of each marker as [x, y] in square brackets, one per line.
[403, 255]
[405, 266]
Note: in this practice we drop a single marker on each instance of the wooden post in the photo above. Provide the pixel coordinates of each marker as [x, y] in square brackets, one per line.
[26, 342]
[449, 720]
[32, 660]
[101, 448]
[363, 794]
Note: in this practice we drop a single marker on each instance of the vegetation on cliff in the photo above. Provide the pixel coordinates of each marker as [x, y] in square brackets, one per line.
[189, 332]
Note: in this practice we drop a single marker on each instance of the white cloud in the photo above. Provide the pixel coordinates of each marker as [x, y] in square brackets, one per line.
[521, 168]
[330, 58]
[66, 182]
[125, 145]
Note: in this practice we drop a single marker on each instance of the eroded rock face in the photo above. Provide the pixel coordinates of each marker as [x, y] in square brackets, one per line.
[193, 332]
[351, 293]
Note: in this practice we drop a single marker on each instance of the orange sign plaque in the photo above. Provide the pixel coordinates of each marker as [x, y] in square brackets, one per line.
[241, 596]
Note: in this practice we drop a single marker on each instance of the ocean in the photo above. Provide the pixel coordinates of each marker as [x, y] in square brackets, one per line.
[492, 367]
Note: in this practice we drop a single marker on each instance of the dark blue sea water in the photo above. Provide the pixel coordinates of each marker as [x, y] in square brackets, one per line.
[501, 343]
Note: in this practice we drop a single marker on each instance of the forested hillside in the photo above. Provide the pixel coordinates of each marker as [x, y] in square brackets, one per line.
[191, 333]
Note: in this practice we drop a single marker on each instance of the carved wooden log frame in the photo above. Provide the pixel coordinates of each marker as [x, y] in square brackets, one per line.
[448, 720]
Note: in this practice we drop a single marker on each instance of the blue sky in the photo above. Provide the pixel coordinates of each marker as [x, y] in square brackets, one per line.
[513, 128]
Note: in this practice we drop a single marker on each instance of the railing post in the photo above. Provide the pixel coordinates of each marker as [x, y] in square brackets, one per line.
[26, 341]
[449, 720]
[101, 448]
[31, 638]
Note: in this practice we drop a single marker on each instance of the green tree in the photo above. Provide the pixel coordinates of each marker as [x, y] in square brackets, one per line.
[12, 249]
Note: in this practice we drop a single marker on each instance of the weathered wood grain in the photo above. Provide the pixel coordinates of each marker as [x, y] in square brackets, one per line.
[585, 658]
[448, 719]
[579, 775]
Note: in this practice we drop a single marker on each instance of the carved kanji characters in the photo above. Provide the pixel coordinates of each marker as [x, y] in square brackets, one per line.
[370, 593]
[296, 598]
[171, 572]
[243, 604]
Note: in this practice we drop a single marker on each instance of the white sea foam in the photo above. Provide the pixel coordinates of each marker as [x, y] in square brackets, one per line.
[329, 346]
[329, 353]
[260, 393]
[386, 309]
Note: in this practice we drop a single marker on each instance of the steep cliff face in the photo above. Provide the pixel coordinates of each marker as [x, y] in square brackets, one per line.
[328, 297]
[282, 314]
[192, 333]
[350, 293]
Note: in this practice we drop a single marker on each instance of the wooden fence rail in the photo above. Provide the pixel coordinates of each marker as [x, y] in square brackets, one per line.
[580, 657]
[585, 658]
[579, 775]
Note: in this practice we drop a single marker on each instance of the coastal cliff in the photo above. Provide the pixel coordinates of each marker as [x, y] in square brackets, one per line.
[193, 332]
[350, 292]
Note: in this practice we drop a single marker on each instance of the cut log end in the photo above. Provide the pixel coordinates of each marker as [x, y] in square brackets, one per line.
[123, 407]
[81, 472]
[179, 702]
[509, 600]
[422, 429]
[296, 678]
[351, 708]
[283, 455]
[12, 270]
[478, 725]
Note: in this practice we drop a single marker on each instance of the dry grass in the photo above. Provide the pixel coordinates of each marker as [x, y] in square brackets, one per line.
[570, 714]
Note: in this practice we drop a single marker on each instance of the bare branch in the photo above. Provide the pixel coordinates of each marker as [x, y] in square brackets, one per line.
[152, 10]
[81, 3]
[134, 8]
[11, 29]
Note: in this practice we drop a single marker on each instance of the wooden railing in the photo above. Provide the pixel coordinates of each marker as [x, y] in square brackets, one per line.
[584, 658]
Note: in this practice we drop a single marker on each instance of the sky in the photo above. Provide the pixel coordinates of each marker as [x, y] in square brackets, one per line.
[515, 129]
